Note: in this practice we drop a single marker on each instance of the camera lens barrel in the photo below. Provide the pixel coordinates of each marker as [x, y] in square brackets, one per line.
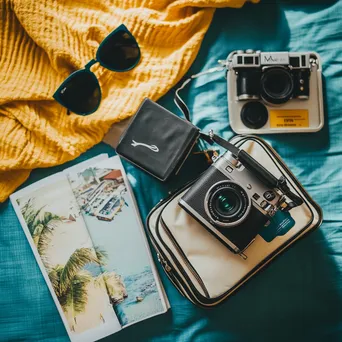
[276, 85]
[227, 203]
[248, 83]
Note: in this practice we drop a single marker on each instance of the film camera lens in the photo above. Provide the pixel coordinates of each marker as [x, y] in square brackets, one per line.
[227, 203]
[276, 85]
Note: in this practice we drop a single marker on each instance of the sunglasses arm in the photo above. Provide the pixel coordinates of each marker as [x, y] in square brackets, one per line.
[90, 64]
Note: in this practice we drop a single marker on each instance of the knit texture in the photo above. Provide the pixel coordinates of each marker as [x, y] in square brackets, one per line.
[42, 42]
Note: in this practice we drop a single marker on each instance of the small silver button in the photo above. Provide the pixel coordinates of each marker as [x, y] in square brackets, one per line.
[263, 204]
[256, 196]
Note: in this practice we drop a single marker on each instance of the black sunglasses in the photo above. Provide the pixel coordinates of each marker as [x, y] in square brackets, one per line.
[81, 92]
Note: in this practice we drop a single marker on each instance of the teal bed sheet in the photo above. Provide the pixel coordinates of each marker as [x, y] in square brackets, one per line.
[299, 296]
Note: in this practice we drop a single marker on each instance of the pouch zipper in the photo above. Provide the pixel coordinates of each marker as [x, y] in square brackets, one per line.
[173, 276]
[184, 258]
[176, 281]
[167, 267]
[179, 266]
[168, 270]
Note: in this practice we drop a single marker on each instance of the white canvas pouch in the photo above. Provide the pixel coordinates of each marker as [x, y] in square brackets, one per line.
[199, 265]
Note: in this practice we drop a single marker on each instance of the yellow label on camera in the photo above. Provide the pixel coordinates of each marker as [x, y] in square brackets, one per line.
[289, 118]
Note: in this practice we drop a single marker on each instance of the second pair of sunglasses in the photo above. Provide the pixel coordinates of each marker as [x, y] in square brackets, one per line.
[80, 92]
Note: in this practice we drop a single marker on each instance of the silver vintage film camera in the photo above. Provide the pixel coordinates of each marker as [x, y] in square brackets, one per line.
[275, 92]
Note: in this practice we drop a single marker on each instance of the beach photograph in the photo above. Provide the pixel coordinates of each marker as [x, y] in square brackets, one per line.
[113, 225]
[73, 263]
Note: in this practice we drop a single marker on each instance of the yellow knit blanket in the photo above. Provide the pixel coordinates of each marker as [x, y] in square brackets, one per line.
[42, 42]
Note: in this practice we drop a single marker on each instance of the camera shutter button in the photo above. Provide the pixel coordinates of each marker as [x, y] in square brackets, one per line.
[250, 51]
[269, 195]
[229, 169]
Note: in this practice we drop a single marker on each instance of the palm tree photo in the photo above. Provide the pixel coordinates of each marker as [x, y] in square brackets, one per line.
[71, 281]
[40, 224]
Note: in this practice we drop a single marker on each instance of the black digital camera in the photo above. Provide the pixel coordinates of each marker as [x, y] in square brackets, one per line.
[231, 203]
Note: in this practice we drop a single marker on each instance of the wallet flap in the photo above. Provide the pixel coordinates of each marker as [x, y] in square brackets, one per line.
[157, 140]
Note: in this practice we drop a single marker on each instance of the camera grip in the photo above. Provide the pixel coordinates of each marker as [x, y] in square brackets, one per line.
[260, 172]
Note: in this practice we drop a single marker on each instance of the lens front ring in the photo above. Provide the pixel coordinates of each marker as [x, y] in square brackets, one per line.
[276, 85]
[227, 204]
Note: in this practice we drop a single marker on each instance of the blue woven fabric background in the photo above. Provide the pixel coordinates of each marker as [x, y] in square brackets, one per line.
[299, 296]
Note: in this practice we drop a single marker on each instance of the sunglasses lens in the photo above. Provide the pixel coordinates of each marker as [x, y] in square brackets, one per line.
[80, 93]
[119, 51]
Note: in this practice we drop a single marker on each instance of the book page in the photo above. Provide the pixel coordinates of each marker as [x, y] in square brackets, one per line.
[71, 265]
[108, 208]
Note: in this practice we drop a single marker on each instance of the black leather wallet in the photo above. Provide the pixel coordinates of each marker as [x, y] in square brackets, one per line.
[157, 140]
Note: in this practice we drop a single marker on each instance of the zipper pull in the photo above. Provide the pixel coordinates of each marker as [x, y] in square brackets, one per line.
[164, 263]
[167, 267]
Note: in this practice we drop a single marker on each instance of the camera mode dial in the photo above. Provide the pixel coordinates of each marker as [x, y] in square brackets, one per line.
[269, 195]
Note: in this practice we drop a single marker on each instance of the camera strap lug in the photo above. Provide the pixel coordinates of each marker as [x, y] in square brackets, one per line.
[296, 200]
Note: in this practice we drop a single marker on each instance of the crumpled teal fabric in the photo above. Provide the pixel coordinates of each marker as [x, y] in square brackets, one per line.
[299, 296]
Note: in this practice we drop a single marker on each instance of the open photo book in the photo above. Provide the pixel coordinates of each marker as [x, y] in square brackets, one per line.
[85, 231]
